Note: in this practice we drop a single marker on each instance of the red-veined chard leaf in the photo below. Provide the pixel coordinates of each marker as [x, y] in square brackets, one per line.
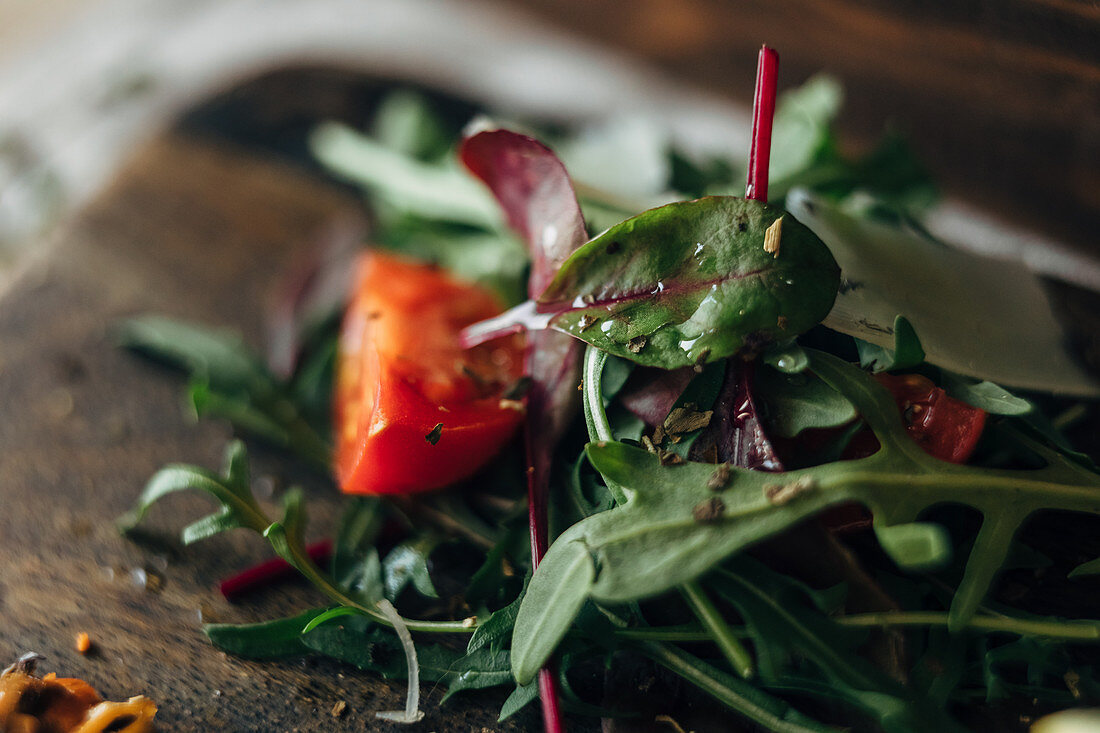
[694, 281]
[534, 190]
[737, 429]
[537, 196]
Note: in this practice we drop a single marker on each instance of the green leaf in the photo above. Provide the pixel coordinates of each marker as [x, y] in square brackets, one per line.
[358, 641]
[228, 381]
[359, 528]
[772, 713]
[1092, 567]
[209, 526]
[408, 564]
[478, 670]
[265, 640]
[785, 625]
[802, 131]
[219, 357]
[430, 191]
[792, 403]
[239, 508]
[787, 357]
[916, 545]
[520, 698]
[958, 302]
[613, 377]
[987, 396]
[553, 599]
[240, 411]
[906, 354]
[406, 122]
[690, 282]
[338, 612]
[497, 628]
[654, 542]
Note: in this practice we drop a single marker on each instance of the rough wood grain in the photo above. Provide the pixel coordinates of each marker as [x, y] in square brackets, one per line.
[198, 232]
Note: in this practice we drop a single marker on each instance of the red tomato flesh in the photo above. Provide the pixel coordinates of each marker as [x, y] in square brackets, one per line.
[400, 372]
[946, 428]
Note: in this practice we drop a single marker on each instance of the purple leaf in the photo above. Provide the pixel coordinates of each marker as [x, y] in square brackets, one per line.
[535, 192]
[537, 196]
[316, 287]
[738, 432]
[651, 393]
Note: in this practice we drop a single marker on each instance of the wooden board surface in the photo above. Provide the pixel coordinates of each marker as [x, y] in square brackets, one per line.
[196, 230]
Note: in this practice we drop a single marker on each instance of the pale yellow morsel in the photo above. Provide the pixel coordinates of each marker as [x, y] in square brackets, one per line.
[1079, 720]
[107, 715]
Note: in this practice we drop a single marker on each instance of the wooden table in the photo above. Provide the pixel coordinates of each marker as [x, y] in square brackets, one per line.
[196, 227]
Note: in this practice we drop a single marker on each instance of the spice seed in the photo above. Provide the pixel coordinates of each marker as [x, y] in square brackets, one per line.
[433, 436]
[709, 510]
[780, 494]
[720, 478]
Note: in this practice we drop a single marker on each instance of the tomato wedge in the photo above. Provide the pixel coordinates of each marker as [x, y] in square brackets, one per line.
[946, 428]
[400, 374]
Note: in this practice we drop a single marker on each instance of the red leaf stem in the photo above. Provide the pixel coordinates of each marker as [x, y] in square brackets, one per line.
[763, 110]
[537, 196]
[271, 571]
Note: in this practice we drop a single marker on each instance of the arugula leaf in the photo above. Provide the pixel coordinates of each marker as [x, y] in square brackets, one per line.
[228, 381]
[239, 509]
[435, 192]
[359, 528]
[408, 564]
[657, 541]
[362, 643]
[802, 131]
[497, 628]
[984, 395]
[773, 713]
[548, 609]
[216, 357]
[792, 403]
[787, 357]
[906, 354]
[520, 698]
[786, 626]
[691, 282]
[478, 670]
[916, 545]
[407, 122]
[265, 640]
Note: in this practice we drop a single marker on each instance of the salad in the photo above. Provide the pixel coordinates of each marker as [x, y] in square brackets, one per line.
[632, 428]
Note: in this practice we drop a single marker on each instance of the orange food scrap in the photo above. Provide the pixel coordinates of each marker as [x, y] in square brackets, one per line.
[83, 642]
[51, 704]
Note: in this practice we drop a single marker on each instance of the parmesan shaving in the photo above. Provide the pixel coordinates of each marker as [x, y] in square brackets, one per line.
[772, 236]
